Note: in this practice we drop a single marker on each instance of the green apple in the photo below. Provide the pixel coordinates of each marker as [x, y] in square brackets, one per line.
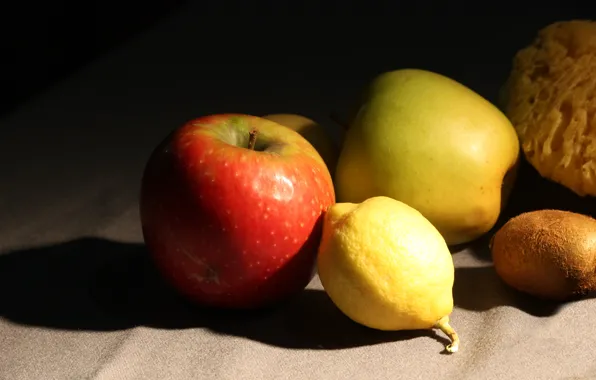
[434, 144]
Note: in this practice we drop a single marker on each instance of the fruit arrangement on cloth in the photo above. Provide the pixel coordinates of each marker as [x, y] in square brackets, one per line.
[241, 211]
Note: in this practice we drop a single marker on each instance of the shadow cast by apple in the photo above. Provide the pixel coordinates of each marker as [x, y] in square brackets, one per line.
[100, 285]
[481, 289]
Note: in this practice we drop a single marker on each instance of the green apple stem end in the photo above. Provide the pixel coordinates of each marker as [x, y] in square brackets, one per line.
[252, 138]
[443, 325]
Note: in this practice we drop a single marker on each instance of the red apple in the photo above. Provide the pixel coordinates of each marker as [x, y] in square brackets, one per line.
[231, 210]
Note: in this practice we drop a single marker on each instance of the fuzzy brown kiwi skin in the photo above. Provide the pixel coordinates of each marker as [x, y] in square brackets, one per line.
[549, 254]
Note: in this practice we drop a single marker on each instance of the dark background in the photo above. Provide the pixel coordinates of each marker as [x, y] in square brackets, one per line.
[44, 42]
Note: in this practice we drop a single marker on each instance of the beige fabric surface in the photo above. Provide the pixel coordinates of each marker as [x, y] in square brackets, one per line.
[78, 299]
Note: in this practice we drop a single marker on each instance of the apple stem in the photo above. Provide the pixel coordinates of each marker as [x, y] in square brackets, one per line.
[443, 325]
[252, 138]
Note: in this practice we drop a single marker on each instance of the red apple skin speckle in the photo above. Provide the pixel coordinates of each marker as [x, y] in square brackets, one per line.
[231, 227]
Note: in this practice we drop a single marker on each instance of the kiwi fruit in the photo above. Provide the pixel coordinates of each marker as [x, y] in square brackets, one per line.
[549, 254]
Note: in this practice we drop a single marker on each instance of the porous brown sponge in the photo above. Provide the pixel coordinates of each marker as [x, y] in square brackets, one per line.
[550, 97]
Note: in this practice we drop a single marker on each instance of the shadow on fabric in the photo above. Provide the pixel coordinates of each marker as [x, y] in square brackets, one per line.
[94, 284]
[479, 288]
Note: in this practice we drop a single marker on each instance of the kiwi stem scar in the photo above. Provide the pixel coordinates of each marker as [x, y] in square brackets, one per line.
[443, 325]
[252, 138]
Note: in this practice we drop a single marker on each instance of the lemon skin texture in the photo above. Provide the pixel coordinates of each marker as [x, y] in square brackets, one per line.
[385, 266]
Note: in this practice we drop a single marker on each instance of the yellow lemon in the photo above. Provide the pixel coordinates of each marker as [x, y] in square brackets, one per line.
[385, 266]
